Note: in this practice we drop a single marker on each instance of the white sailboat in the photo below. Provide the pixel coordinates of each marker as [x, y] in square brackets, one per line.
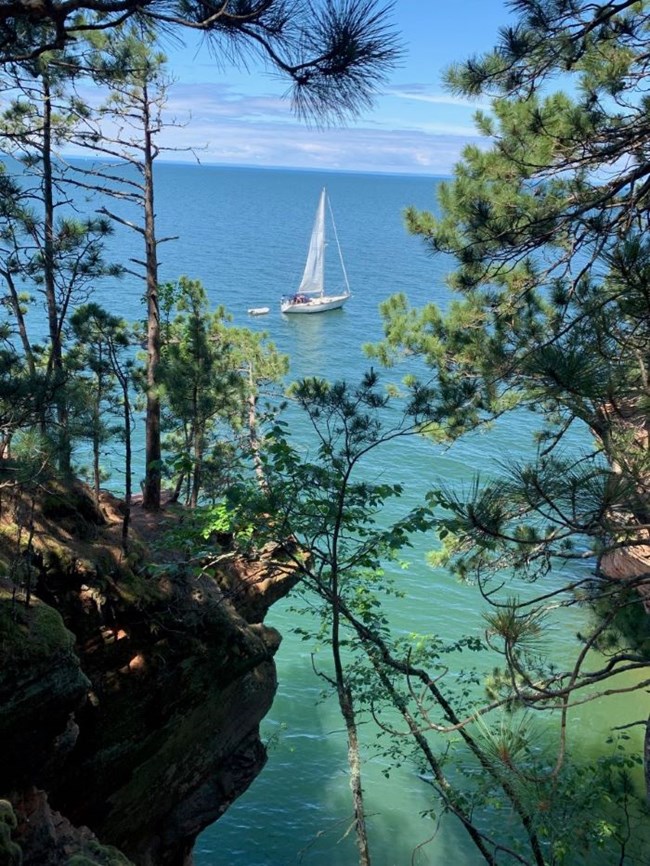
[311, 297]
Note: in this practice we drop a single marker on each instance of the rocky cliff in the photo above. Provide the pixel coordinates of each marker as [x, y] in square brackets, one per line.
[131, 687]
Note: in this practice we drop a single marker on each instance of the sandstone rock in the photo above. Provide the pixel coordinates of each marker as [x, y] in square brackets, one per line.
[131, 698]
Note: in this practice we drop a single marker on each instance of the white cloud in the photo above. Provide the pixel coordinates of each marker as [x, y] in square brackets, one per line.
[293, 145]
[262, 130]
[417, 93]
[218, 124]
[217, 100]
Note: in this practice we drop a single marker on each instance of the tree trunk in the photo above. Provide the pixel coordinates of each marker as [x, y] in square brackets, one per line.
[55, 361]
[127, 471]
[127, 467]
[151, 497]
[20, 320]
[123, 379]
[252, 431]
[347, 711]
[97, 421]
[354, 765]
[96, 464]
[646, 760]
[198, 464]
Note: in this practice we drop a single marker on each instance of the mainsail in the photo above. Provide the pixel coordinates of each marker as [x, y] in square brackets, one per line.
[311, 296]
[312, 278]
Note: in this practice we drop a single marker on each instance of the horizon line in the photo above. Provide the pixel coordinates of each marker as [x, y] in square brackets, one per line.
[305, 169]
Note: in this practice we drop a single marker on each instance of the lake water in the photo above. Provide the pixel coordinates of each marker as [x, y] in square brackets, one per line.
[244, 234]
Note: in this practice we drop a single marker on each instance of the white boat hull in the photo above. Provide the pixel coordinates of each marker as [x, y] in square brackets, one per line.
[314, 305]
[258, 311]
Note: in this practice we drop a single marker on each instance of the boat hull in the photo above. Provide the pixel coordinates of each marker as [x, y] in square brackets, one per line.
[313, 305]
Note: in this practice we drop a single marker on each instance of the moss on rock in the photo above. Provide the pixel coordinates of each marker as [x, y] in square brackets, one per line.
[10, 852]
[41, 684]
[30, 635]
[130, 669]
[94, 854]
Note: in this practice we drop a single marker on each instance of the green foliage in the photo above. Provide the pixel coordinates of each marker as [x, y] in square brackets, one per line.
[95, 854]
[417, 688]
[100, 360]
[581, 811]
[31, 634]
[206, 530]
[56, 256]
[626, 622]
[333, 55]
[311, 499]
[547, 230]
[544, 233]
[211, 373]
[10, 852]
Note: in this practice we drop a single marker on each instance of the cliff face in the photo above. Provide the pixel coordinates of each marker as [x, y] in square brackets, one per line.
[130, 696]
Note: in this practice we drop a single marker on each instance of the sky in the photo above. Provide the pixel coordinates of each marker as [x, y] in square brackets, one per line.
[243, 117]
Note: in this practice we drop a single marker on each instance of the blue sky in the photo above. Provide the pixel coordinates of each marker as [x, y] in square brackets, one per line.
[243, 117]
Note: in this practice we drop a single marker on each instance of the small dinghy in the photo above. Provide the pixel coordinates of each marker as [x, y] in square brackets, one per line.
[258, 311]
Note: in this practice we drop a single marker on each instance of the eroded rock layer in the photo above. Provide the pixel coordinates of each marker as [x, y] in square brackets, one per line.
[130, 692]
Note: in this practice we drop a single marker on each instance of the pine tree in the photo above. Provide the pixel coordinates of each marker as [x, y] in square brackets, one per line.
[211, 373]
[102, 356]
[547, 230]
[334, 54]
[43, 251]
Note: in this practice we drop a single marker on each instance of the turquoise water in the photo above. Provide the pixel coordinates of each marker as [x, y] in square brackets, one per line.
[244, 234]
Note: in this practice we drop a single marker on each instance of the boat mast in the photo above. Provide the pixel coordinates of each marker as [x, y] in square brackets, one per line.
[338, 247]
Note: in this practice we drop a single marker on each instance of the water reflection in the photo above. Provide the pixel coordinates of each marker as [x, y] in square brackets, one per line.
[310, 338]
